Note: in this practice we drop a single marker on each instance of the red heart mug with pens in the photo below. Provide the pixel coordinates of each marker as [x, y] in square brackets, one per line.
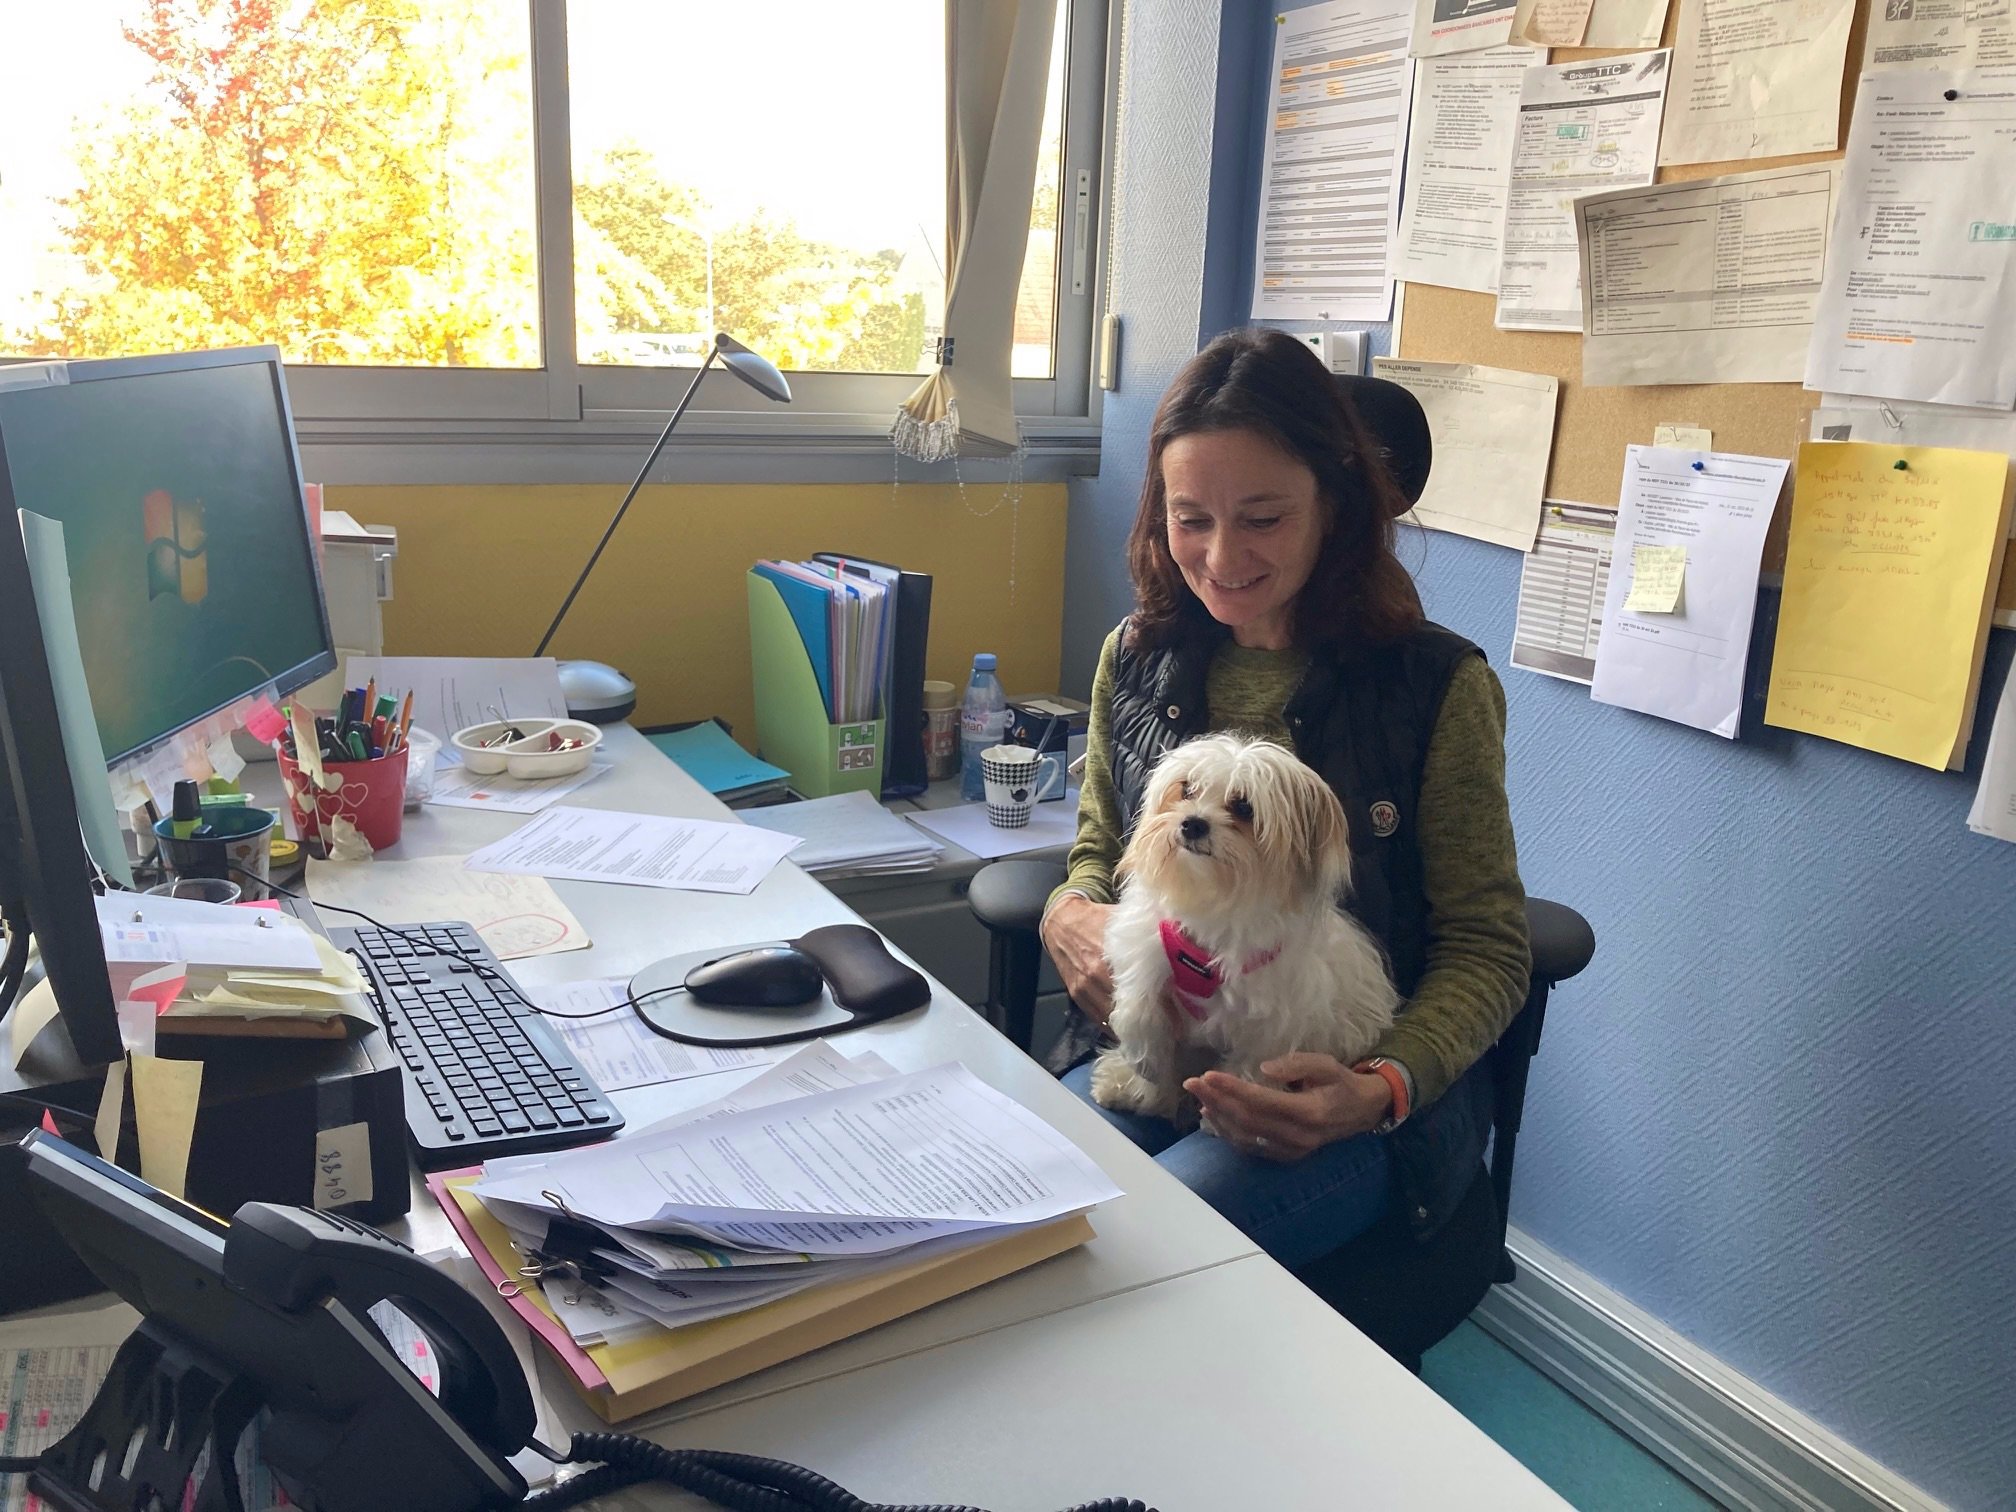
[340, 802]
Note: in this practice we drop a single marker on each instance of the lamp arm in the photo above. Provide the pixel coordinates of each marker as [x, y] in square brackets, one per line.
[623, 508]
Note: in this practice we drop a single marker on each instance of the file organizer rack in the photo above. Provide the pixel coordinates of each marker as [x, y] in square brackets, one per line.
[792, 729]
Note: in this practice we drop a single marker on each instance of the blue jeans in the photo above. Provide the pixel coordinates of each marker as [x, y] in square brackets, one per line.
[1295, 1212]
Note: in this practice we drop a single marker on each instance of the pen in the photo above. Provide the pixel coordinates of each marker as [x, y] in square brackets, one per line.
[358, 750]
[186, 815]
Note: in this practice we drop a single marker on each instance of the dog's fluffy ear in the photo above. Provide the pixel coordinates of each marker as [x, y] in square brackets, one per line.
[1329, 841]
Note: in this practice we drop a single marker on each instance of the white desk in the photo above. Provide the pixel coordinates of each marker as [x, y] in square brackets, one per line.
[1166, 1360]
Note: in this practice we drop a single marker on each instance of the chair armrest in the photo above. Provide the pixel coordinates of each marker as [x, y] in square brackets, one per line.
[1562, 940]
[1009, 896]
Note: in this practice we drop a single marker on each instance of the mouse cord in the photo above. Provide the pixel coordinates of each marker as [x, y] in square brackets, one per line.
[742, 1482]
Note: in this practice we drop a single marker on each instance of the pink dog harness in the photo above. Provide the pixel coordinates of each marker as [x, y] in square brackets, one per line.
[1195, 976]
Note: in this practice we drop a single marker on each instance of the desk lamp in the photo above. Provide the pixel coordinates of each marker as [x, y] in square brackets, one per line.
[594, 690]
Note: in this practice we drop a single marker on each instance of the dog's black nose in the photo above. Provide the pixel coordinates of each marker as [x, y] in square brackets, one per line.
[1195, 828]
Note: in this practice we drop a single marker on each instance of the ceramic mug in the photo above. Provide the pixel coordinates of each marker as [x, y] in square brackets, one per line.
[1013, 788]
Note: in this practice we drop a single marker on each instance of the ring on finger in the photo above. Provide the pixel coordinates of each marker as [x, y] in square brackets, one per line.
[1259, 1141]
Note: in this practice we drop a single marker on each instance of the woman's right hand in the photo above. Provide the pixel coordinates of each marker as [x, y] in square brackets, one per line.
[1074, 932]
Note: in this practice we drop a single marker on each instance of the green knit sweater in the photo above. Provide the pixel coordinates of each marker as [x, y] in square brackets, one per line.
[1478, 958]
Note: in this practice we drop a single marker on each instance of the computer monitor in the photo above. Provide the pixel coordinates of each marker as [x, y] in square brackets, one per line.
[45, 874]
[178, 486]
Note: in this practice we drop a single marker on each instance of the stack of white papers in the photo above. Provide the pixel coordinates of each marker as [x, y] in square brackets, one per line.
[821, 1169]
[849, 835]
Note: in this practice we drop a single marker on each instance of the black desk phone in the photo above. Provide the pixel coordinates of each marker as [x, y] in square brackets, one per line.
[266, 1320]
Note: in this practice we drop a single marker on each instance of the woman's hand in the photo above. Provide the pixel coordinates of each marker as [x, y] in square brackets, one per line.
[1323, 1101]
[1074, 932]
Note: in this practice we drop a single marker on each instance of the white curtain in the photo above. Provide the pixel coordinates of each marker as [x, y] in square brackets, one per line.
[998, 66]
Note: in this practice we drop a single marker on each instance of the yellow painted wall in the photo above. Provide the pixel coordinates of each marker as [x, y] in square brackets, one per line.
[481, 571]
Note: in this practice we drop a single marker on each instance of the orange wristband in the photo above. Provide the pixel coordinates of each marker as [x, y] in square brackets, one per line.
[1387, 1072]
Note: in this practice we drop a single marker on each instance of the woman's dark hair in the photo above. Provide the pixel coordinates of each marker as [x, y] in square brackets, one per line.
[1267, 382]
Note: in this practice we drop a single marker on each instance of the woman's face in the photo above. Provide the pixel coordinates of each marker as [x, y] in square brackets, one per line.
[1245, 526]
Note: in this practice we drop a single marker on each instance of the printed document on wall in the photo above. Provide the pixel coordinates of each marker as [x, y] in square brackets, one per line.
[1920, 294]
[1756, 79]
[1582, 127]
[1994, 809]
[1493, 431]
[1459, 26]
[1688, 666]
[1330, 182]
[1889, 575]
[1940, 34]
[1713, 281]
[1459, 165]
[1562, 584]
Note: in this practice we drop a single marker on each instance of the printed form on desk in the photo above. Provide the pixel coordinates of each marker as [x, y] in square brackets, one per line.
[644, 850]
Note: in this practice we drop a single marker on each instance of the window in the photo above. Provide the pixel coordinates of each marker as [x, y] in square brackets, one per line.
[375, 186]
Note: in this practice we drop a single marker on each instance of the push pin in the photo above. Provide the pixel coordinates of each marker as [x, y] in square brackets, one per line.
[1698, 466]
[1952, 95]
[1900, 465]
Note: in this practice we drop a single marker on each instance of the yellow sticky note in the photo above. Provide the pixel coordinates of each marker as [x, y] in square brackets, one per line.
[111, 1112]
[1657, 573]
[165, 1094]
[1889, 572]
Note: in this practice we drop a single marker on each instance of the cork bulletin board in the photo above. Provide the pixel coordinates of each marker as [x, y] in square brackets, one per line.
[1593, 425]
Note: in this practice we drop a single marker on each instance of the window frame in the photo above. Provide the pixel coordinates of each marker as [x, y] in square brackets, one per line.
[568, 421]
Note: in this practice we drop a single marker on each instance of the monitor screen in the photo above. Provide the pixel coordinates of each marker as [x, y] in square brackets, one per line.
[193, 574]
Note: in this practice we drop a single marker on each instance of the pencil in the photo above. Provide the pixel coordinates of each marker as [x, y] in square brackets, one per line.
[406, 717]
[370, 701]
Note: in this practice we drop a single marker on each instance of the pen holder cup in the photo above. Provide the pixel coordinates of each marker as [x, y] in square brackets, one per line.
[359, 799]
[238, 848]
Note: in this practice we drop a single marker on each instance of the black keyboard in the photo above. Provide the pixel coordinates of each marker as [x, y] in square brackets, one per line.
[485, 1075]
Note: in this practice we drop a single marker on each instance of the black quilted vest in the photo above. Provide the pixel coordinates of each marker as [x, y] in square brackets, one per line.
[1362, 718]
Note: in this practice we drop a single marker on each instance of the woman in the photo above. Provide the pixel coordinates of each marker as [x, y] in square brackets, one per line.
[1269, 601]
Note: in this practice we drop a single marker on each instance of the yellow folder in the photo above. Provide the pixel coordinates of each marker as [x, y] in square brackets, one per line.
[672, 1364]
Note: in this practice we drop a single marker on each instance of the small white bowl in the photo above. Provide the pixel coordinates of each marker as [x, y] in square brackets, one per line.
[489, 761]
[529, 759]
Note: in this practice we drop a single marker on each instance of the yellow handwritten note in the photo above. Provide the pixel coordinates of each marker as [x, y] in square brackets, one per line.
[1889, 580]
[1656, 575]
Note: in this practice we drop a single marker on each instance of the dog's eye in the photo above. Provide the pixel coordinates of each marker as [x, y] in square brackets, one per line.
[1239, 809]
[1183, 790]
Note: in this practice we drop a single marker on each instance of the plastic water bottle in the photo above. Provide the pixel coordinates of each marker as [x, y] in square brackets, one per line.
[983, 723]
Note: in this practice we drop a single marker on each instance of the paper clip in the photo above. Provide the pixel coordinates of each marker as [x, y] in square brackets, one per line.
[1890, 417]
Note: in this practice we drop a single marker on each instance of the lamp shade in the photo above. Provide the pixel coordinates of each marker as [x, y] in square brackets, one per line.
[754, 369]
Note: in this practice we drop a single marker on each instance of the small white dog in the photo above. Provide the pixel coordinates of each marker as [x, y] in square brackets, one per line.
[1228, 909]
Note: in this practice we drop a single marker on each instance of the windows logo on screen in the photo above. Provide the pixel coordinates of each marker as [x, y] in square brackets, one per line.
[177, 562]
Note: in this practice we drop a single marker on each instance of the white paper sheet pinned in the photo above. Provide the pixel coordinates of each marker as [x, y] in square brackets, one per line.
[1689, 666]
[1993, 812]
[1459, 167]
[1756, 79]
[1459, 26]
[1562, 586]
[1582, 127]
[1940, 34]
[1330, 179]
[643, 850]
[1920, 292]
[1714, 281]
[1494, 432]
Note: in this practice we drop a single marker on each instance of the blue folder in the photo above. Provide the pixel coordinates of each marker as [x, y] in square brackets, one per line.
[809, 607]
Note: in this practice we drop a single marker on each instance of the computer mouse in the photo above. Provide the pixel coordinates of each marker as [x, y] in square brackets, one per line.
[771, 976]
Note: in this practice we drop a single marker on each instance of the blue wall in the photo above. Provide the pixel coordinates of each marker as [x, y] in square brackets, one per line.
[1776, 1112]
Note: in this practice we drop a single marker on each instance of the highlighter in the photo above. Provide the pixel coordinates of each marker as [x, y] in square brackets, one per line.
[186, 816]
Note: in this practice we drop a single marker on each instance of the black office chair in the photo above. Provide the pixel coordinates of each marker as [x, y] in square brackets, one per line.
[1404, 1295]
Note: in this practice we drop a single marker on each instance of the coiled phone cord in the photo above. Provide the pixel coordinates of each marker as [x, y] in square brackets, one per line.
[742, 1482]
